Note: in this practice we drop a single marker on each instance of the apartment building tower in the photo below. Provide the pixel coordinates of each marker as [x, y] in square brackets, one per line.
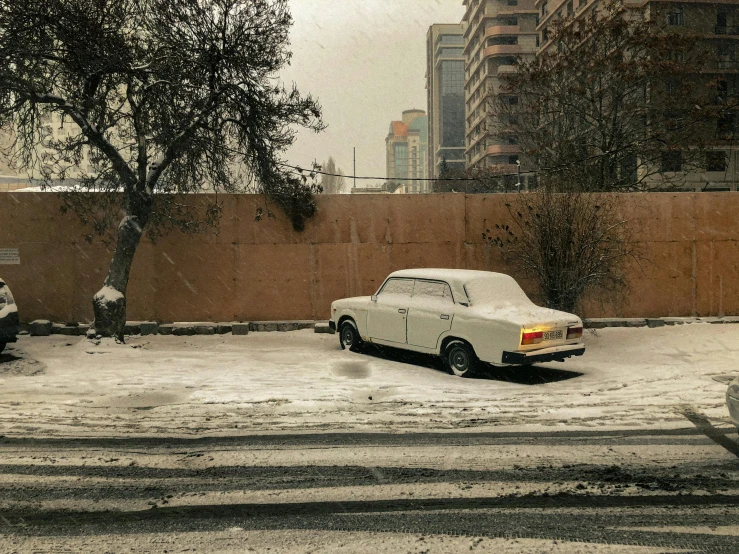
[497, 34]
[406, 147]
[716, 23]
[445, 94]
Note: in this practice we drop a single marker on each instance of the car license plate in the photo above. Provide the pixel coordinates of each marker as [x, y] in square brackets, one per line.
[553, 335]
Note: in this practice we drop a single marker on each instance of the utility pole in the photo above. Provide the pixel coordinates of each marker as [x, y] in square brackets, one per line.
[355, 168]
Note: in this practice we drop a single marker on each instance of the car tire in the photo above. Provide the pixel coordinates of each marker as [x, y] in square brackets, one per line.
[460, 359]
[2, 347]
[349, 338]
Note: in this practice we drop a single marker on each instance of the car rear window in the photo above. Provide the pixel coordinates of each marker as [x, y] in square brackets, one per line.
[432, 289]
[496, 292]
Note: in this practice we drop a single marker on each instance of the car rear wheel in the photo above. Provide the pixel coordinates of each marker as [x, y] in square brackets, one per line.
[349, 336]
[460, 359]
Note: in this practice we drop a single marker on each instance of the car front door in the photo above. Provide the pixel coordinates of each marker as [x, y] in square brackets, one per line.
[386, 318]
[430, 314]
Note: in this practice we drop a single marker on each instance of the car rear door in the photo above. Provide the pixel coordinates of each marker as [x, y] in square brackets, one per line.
[430, 314]
[386, 318]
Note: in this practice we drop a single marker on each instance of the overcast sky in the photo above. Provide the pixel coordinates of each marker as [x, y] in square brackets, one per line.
[365, 61]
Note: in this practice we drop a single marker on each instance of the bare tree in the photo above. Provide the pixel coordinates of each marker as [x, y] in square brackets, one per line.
[571, 243]
[616, 103]
[167, 97]
[332, 178]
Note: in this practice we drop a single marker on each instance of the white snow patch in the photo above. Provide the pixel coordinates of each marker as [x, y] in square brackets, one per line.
[109, 294]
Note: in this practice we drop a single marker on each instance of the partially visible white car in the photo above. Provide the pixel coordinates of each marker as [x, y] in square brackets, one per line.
[8, 316]
[463, 316]
[732, 401]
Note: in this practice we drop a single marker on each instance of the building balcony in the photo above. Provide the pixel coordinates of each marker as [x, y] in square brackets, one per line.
[498, 30]
[503, 69]
[726, 30]
[503, 50]
[503, 149]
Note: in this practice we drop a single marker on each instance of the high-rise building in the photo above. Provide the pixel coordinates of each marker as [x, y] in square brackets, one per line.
[717, 26]
[445, 92]
[497, 33]
[407, 152]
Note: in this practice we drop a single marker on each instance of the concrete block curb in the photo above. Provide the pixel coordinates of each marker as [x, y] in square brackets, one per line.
[652, 323]
[279, 326]
[40, 328]
[148, 328]
[79, 330]
[602, 323]
[322, 327]
[240, 329]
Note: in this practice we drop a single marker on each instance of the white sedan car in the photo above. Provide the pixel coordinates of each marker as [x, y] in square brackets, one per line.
[463, 316]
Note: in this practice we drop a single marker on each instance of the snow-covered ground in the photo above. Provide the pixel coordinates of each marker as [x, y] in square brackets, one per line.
[303, 381]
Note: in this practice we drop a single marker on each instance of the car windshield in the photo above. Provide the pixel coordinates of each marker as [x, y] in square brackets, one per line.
[496, 292]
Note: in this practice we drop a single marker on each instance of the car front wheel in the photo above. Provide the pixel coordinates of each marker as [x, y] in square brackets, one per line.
[349, 336]
[460, 359]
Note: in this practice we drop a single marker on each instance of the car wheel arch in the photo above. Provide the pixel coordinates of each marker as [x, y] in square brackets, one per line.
[446, 341]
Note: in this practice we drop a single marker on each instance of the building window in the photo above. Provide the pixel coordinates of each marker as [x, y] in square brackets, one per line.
[675, 16]
[513, 160]
[570, 9]
[672, 161]
[716, 161]
[512, 2]
[544, 9]
[496, 41]
[726, 126]
[721, 23]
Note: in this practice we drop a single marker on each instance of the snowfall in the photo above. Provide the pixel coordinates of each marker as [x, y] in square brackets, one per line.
[302, 381]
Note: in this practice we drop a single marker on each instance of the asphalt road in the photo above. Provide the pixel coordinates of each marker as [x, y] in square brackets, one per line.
[673, 490]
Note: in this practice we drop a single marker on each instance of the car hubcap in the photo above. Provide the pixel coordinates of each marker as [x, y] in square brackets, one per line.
[459, 360]
[348, 337]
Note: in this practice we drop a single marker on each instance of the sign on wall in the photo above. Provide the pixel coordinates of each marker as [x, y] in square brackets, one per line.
[10, 256]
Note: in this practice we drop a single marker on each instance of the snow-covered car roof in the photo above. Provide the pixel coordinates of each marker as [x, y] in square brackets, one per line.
[458, 278]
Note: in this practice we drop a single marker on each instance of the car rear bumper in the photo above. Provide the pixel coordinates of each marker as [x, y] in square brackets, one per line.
[733, 405]
[9, 327]
[555, 354]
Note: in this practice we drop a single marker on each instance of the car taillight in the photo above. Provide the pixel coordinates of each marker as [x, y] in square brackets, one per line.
[574, 333]
[532, 337]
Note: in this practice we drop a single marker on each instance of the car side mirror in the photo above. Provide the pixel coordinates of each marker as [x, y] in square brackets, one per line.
[373, 298]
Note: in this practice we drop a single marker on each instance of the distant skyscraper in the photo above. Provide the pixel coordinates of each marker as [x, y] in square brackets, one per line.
[445, 91]
[407, 151]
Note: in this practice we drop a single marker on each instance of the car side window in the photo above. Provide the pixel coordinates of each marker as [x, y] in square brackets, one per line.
[433, 289]
[398, 286]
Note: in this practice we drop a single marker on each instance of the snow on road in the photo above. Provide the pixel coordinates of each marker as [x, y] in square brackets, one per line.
[302, 381]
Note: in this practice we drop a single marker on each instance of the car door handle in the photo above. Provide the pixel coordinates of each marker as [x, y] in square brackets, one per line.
[401, 311]
[444, 316]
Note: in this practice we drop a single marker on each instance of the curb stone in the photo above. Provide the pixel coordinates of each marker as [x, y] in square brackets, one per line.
[40, 328]
[44, 328]
[280, 326]
[652, 323]
[70, 330]
[322, 327]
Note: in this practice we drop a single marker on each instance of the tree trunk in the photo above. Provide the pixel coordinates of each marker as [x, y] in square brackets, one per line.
[109, 304]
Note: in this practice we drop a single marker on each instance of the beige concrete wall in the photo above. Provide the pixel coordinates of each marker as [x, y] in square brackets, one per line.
[262, 270]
